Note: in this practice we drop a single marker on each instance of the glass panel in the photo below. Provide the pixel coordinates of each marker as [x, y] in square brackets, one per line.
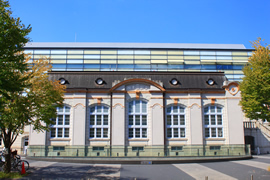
[175, 133]
[92, 132]
[206, 120]
[66, 135]
[75, 66]
[105, 119]
[58, 51]
[208, 53]
[52, 132]
[212, 109]
[144, 132]
[175, 109]
[137, 120]
[220, 133]
[98, 132]
[213, 132]
[175, 120]
[98, 119]
[169, 120]
[125, 52]
[105, 132]
[60, 132]
[219, 119]
[182, 120]
[213, 120]
[99, 109]
[206, 110]
[142, 52]
[60, 119]
[169, 110]
[137, 106]
[137, 132]
[67, 119]
[67, 109]
[219, 110]
[130, 107]
[169, 132]
[207, 132]
[91, 56]
[130, 120]
[54, 121]
[92, 120]
[92, 109]
[130, 132]
[226, 53]
[191, 52]
[144, 120]
[144, 109]
[75, 51]
[182, 110]
[60, 109]
[105, 109]
[182, 132]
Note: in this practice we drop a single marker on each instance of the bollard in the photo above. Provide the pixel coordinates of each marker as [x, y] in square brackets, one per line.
[206, 177]
[251, 177]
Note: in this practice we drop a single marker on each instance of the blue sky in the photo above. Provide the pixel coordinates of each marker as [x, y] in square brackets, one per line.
[152, 21]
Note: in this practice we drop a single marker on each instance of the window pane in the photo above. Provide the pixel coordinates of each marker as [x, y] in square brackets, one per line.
[144, 132]
[169, 120]
[92, 109]
[213, 120]
[169, 132]
[105, 132]
[169, 110]
[98, 119]
[105, 109]
[219, 109]
[98, 132]
[144, 120]
[52, 132]
[130, 132]
[175, 120]
[206, 110]
[66, 119]
[60, 132]
[206, 120]
[60, 109]
[105, 119]
[175, 132]
[182, 120]
[66, 132]
[175, 109]
[137, 132]
[98, 109]
[219, 119]
[213, 132]
[54, 121]
[130, 107]
[212, 109]
[60, 119]
[144, 109]
[220, 132]
[130, 120]
[137, 120]
[67, 109]
[92, 120]
[182, 132]
[92, 132]
[207, 132]
[137, 106]
[182, 110]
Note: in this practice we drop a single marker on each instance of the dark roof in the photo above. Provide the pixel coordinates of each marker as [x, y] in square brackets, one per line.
[187, 80]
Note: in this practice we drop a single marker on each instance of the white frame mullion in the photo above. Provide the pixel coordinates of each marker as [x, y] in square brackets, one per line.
[216, 126]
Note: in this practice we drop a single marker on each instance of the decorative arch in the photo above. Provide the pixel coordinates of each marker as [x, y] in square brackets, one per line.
[118, 104]
[75, 106]
[128, 81]
[157, 104]
[194, 104]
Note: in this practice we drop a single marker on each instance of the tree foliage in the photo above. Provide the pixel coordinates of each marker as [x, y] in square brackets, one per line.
[35, 106]
[13, 36]
[255, 87]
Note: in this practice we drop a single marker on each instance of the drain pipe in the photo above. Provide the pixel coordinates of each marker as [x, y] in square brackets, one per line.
[111, 125]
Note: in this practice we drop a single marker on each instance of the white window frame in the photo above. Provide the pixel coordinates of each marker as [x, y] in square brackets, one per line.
[95, 113]
[173, 112]
[213, 115]
[142, 116]
[64, 126]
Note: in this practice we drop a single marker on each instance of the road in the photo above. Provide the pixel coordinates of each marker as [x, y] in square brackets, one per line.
[258, 167]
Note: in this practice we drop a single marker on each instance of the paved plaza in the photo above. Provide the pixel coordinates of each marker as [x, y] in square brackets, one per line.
[242, 169]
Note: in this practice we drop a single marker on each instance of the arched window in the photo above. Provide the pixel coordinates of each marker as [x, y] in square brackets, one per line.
[213, 122]
[176, 122]
[99, 122]
[60, 126]
[137, 119]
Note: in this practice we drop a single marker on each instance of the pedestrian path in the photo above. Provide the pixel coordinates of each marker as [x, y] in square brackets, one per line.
[255, 164]
[198, 171]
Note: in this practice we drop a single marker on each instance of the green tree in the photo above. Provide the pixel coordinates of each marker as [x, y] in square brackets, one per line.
[255, 87]
[35, 106]
[13, 36]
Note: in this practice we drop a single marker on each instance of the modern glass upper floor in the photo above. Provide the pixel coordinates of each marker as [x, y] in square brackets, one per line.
[143, 57]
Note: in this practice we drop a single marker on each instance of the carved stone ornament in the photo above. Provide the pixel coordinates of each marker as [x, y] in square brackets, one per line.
[233, 88]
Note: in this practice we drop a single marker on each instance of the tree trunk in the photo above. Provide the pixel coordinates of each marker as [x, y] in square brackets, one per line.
[7, 166]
